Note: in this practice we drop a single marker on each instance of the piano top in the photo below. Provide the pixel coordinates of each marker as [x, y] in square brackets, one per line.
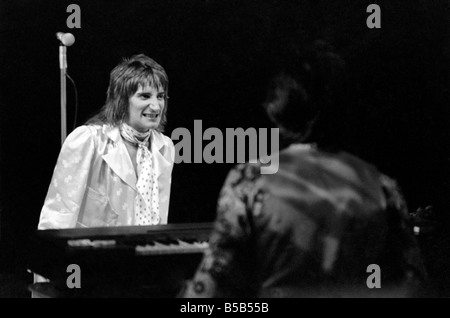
[150, 232]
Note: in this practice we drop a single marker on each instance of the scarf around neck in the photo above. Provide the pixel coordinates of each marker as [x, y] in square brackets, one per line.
[146, 207]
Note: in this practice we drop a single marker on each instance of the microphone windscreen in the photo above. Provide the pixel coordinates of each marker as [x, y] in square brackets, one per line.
[68, 39]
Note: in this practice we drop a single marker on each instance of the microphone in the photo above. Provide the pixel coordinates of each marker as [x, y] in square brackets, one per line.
[66, 39]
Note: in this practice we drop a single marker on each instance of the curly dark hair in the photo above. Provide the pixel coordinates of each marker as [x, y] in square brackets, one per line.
[305, 88]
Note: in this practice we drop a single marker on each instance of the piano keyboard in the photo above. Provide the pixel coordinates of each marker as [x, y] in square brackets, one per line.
[176, 247]
[124, 260]
[153, 248]
[145, 240]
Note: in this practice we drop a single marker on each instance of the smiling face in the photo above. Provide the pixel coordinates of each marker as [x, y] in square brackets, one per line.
[145, 108]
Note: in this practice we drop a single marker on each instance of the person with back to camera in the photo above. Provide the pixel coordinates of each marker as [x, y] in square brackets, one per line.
[116, 169]
[312, 228]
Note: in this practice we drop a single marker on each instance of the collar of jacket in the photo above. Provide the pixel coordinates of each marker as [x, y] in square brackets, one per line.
[119, 160]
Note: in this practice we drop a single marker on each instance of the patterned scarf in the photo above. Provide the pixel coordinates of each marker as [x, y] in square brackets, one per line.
[146, 206]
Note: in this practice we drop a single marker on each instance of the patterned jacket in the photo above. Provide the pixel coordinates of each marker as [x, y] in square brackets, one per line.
[310, 230]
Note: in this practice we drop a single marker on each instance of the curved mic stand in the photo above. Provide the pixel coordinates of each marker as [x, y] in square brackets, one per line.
[63, 68]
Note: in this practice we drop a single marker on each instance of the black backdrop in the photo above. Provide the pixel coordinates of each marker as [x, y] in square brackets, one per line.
[218, 55]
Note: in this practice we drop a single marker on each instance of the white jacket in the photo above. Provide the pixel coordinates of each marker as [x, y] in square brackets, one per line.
[94, 181]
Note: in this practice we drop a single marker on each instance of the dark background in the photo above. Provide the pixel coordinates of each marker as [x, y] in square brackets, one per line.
[218, 55]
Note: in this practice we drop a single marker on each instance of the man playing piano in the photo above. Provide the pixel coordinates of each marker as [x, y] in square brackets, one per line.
[116, 169]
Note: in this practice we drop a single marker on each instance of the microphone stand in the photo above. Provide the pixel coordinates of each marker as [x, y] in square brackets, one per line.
[63, 70]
